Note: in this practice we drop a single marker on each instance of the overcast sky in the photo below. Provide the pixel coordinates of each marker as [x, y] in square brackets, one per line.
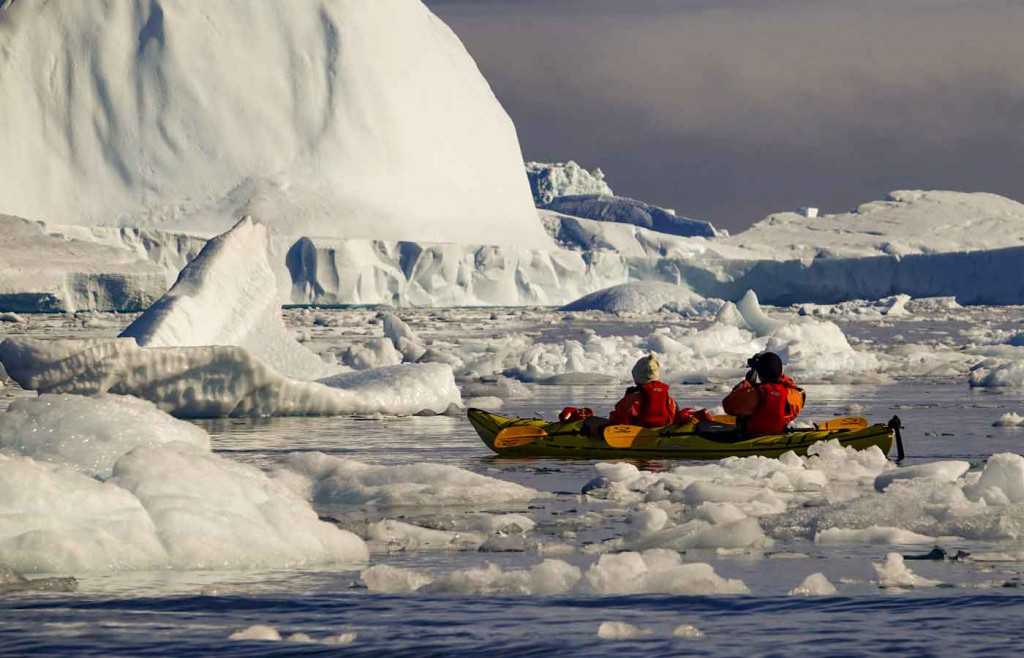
[728, 110]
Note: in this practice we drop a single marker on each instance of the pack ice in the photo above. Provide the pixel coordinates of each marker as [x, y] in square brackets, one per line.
[148, 494]
[215, 345]
[309, 115]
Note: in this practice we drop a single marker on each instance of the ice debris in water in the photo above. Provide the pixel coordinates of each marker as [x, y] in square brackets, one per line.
[265, 633]
[815, 584]
[259, 632]
[163, 505]
[895, 574]
[387, 579]
[688, 631]
[811, 349]
[333, 480]
[1010, 419]
[873, 535]
[11, 581]
[652, 572]
[620, 630]
[392, 536]
[656, 571]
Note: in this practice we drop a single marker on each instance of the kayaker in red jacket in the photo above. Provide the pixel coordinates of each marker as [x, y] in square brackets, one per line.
[767, 401]
[648, 403]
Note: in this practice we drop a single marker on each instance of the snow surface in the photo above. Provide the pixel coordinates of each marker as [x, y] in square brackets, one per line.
[309, 117]
[549, 181]
[143, 501]
[227, 295]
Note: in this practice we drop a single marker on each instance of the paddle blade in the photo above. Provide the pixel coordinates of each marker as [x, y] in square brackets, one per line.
[724, 419]
[851, 423]
[521, 435]
[628, 436]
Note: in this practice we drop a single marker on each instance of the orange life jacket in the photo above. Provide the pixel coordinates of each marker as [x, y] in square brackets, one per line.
[655, 409]
[774, 412]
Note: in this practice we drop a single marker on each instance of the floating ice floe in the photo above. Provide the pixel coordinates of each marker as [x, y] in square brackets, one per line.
[210, 347]
[893, 573]
[265, 633]
[158, 505]
[329, 480]
[815, 584]
[1009, 419]
[620, 630]
[646, 297]
[650, 572]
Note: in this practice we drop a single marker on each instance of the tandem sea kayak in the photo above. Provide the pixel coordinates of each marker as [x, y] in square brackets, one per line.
[704, 440]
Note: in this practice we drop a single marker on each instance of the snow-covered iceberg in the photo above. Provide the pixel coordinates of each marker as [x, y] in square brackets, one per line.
[188, 115]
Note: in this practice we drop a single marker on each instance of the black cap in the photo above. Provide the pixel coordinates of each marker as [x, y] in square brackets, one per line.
[767, 365]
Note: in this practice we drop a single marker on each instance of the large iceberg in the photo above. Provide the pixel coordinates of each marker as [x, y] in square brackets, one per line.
[334, 118]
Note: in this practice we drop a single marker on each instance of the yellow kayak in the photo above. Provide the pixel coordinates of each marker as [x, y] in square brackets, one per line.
[695, 441]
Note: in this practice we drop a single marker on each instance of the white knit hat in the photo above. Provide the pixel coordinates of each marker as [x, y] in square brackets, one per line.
[646, 370]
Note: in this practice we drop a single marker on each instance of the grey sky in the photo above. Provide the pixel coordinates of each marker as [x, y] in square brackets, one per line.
[728, 110]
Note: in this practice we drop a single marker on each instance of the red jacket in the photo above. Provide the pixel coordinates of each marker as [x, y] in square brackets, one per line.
[765, 408]
[649, 405]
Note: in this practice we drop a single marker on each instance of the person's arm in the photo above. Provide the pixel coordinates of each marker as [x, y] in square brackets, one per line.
[626, 409]
[742, 401]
